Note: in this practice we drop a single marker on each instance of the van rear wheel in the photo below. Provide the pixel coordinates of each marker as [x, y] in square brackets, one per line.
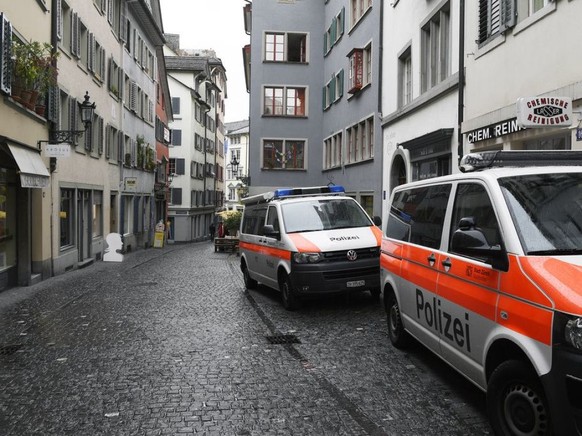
[250, 283]
[398, 336]
[288, 297]
[516, 403]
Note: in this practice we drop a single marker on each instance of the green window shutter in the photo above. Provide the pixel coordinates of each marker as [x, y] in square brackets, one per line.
[340, 91]
[333, 31]
[5, 54]
[332, 90]
[343, 20]
[323, 101]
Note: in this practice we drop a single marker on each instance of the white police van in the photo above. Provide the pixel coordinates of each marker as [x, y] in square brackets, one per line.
[309, 241]
[485, 269]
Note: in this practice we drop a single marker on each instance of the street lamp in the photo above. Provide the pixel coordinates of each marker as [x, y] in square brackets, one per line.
[87, 110]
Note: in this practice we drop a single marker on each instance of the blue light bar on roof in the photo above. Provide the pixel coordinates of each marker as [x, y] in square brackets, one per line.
[288, 192]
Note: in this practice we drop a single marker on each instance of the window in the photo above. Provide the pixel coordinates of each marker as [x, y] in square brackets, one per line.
[286, 47]
[536, 5]
[334, 31]
[367, 202]
[405, 77]
[360, 138]
[67, 223]
[97, 213]
[333, 90]
[176, 196]
[417, 215]
[473, 201]
[358, 8]
[176, 105]
[289, 101]
[494, 17]
[283, 154]
[176, 137]
[332, 151]
[115, 78]
[436, 49]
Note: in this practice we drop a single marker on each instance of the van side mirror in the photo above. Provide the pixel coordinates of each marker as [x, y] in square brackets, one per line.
[269, 231]
[470, 241]
[377, 221]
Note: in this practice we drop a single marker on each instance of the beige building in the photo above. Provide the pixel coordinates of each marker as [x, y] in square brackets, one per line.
[25, 194]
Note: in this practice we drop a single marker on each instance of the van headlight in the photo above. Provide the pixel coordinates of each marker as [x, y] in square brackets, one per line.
[573, 333]
[307, 257]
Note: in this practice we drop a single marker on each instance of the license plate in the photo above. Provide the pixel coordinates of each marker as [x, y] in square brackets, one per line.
[356, 283]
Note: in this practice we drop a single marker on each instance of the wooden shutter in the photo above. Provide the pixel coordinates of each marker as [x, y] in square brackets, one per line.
[5, 54]
[54, 104]
[508, 13]
[59, 13]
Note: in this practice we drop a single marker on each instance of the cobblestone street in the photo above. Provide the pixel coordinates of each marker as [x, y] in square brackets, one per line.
[169, 342]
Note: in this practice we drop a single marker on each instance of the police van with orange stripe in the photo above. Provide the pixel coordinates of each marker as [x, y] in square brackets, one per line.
[485, 269]
[309, 241]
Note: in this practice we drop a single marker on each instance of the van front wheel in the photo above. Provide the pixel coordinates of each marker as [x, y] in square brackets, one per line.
[290, 301]
[516, 403]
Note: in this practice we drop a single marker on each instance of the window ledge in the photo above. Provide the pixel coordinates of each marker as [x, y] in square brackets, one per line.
[284, 116]
[360, 162]
[542, 13]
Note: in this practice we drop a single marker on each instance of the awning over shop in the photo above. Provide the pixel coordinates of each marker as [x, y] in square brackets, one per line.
[33, 172]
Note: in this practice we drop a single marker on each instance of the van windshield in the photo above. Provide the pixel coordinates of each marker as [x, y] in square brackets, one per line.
[546, 211]
[317, 214]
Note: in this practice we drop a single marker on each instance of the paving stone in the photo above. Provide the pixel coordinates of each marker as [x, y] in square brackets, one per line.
[169, 342]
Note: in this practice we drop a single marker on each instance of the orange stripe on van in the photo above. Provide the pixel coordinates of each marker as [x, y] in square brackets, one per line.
[531, 321]
[303, 244]
[523, 286]
[268, 251]
[559, 280]
[378, 234]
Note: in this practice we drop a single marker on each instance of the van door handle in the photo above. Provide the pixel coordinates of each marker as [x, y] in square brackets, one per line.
[447, 263]
[431, 259]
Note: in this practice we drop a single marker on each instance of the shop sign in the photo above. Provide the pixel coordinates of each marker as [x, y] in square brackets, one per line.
[131, 184]
[544, 111]
[494, 131]
[57, 150]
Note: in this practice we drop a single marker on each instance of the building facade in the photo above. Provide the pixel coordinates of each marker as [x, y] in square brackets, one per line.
[196, 163]
[420, 93]
[237, 180]
[520, 55]
[315, 96]
[83, 179]
[25, 190]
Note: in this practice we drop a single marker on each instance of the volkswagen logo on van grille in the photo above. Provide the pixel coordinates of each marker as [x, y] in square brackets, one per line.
[352, 255]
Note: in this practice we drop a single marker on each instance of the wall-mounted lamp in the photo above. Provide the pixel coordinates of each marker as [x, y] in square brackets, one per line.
[87, 109]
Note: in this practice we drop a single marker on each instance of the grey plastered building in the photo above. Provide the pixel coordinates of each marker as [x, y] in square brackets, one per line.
[314, 95]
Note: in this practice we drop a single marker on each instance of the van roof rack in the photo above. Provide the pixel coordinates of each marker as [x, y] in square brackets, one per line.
[294, 192]
[514, 158]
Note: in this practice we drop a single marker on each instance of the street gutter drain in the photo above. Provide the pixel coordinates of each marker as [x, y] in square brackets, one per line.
[283, 339]
[8, 350]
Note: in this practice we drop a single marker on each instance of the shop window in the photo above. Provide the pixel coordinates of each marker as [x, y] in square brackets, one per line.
[97, 214]
[7, 219]
[67, 224]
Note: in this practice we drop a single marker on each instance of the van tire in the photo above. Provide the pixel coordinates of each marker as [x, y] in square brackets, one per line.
[250, 283]
[288, 297]
[513, 386]
[398, 336]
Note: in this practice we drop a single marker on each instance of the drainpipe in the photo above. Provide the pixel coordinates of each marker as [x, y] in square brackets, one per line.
[461, 95]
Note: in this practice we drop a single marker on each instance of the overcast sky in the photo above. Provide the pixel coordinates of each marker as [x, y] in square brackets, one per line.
[217, 25]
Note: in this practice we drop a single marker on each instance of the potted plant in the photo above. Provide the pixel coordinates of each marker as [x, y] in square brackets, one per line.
[231, 220]
[34, 71]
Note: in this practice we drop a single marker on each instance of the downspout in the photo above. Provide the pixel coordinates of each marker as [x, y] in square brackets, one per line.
[379, 109]
[461, 94]
[53, 160]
